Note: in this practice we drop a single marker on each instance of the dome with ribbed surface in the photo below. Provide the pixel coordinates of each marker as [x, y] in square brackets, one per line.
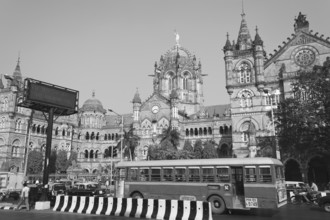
[93, 104]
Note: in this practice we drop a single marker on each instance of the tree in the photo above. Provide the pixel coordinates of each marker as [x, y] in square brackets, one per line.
[170, 135]
[34, 163]
[209, 150]
[61, 161]
[304, 119]
[198, 149]
[130, 141]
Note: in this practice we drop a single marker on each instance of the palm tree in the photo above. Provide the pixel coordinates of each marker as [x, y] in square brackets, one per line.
[170, 135]
[130, 141]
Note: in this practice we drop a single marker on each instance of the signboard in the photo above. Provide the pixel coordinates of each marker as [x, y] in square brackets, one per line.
[42, 96]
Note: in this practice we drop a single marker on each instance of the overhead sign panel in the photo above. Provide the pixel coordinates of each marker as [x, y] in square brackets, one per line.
[41, 96]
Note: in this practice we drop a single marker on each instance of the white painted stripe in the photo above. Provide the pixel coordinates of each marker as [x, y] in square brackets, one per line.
[57, 202]
[161, 209]
[186, 210]
[139, 208]
[90, 205]
[110, 205]
[150, 208]
[101, 202]
[119, 206]
[73, 203]
[199, 211]
[174, 209]
[82, 204]
[65, 204]
[129, 206]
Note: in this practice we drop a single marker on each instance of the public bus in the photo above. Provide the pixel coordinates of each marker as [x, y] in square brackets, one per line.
[227, 183]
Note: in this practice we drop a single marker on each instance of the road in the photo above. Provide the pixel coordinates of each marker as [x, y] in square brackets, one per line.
[288, 212]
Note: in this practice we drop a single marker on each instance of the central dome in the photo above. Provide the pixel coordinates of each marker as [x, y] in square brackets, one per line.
[93, 104]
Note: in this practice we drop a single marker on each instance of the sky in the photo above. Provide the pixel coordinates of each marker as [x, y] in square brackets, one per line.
[110, 46]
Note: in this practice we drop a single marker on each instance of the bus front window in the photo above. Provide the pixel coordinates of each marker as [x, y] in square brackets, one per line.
[265, 174]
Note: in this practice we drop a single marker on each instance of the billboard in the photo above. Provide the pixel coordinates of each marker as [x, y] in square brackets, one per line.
[42, 96]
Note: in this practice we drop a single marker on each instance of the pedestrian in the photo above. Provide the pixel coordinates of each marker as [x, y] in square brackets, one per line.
[24, 197]
[314, 187]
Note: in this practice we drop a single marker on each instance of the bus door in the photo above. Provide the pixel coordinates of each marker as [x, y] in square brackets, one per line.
[238, 186]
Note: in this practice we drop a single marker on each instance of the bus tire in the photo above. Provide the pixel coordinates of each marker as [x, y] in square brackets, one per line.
[218, 206]
[137, 195]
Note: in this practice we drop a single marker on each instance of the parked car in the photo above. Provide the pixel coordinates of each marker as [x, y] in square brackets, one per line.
[324, 201]
[9, 196]
[86, 189]
[57, 189]
[299, 186]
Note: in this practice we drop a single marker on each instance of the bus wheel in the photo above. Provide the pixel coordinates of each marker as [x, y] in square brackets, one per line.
[137, 195]
[217, 204]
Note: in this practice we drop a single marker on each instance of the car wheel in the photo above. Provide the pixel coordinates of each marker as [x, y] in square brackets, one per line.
[326, 206]
[137, 195]
[218, 206]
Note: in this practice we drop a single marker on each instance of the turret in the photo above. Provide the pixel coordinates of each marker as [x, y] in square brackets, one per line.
[136, 106]
[244, 41]
[228, 50]
[259, 61]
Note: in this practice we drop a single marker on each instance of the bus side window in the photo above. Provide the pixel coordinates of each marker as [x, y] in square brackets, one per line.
[144, 175]
[180, 174]
[167, 174]
[155, 174]
[265, 175]
[133, 174]
[250, 174]
[222, 174]
[193, 175]
[207, 175]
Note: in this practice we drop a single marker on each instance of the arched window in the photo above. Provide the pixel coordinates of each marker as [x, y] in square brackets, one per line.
[87, 136]
[86, 154]
[210, 131]
[34, 128]
[18, 125]
[63, 132]
[191, 132]
[92, 136]
[205, 131]
[97, 136]
[185, 81]
[91, 154]
[244, 72]
[56, 131]
[200, 131]
[245, 98]
[15, 149]
[112, 136]
[196, 131]
[38, 129]
[221, 130]
[187, 132]
[43, 129]
[105, 137]
[96, 153]
[247, 128]
[171, 81]
[226, 129]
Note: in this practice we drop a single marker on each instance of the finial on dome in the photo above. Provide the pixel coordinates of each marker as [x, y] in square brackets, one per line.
[93, 93]
[177, 38]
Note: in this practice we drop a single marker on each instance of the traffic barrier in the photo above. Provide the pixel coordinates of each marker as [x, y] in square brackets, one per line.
[138, 208]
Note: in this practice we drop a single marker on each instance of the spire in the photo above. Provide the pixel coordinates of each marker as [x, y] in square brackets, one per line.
[137, 98]
[17, 72]
[1, 83]
[228, 44]
[93, 93]
[244, 39]
[257, 38]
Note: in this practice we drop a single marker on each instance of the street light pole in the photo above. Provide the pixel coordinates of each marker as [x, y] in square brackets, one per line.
[121, 134]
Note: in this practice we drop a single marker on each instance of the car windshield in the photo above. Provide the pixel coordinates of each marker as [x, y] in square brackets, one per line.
[91, 186]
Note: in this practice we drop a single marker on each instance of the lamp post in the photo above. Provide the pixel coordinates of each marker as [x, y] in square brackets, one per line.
[121, 134]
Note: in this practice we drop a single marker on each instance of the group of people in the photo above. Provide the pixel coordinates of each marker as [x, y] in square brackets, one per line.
[308, 194]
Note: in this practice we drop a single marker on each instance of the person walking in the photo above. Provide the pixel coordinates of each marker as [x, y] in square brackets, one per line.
[24, 197]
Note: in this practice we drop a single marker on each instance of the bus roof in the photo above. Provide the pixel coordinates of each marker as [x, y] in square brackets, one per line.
[201, 162]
